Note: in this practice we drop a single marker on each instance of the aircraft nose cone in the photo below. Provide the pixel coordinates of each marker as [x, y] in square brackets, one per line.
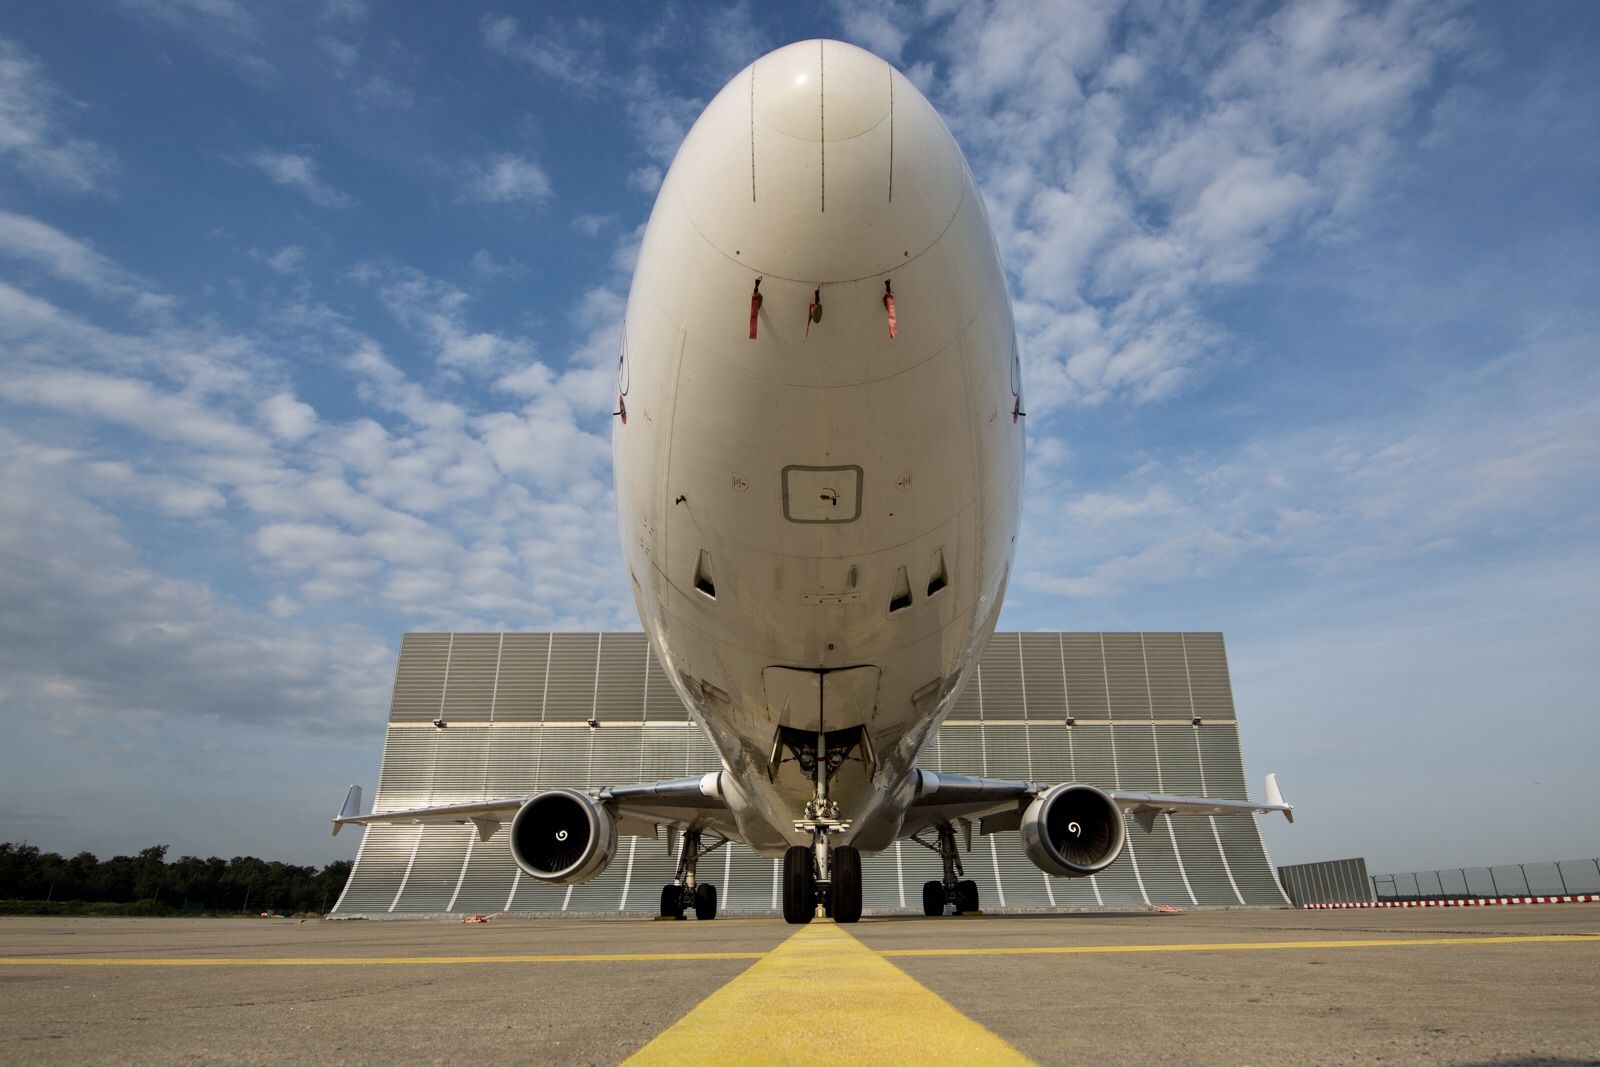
[819, 163]
[817, 90]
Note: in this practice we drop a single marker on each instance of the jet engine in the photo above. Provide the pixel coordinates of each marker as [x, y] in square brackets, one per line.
[563, 836]
[1072, 830]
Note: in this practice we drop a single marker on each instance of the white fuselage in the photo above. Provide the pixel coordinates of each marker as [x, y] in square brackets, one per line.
[778, 495]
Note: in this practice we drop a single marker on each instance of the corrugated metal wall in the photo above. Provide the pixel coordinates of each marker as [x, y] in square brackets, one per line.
[1115, 710]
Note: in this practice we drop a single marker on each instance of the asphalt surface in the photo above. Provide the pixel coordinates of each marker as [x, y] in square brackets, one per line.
[1264, 987]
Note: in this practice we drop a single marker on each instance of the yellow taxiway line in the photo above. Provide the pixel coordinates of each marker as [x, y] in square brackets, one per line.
[822, 997]
[647, 957]
[1239, 946]
[357, 961]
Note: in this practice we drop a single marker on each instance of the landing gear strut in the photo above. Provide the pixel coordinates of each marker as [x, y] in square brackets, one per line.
[686, 894]
[953, 889]
[822, 871]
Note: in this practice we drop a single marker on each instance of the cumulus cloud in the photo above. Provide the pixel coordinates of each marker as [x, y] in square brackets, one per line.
[1136, 162]
[30, 133]
[91, 636]
[299, 172]
[451, 511]
[1504, 452]
[505, 178]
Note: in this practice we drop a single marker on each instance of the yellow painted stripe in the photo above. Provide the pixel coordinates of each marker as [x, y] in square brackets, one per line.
[822, 997]
[1204, 946]
[356, 961]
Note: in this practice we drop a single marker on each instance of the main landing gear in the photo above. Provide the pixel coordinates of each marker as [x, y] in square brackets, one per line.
[952, 890]
[686, 894]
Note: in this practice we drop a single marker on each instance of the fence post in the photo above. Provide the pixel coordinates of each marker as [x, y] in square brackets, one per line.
[1526, 888]
[1493, 882]
[1563, 880]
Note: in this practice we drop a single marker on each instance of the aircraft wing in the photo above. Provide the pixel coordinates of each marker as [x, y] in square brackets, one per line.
[997, 804]
[639, 810]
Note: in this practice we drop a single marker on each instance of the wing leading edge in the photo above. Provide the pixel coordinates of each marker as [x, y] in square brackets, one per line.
[639, 810]
[997, 804]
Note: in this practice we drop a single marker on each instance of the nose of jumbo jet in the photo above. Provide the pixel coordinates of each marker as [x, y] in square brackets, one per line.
[819, 163]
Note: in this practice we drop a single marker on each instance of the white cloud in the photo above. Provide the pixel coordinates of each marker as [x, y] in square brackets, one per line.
[505, 178]
[71, 260]
[431, 509]
[286, 260]
[298, 172]
[576, 62]
[436, 310]
[1508, 453]
[29, 130]
[91, 636]
[646, 180]
[1134, 162]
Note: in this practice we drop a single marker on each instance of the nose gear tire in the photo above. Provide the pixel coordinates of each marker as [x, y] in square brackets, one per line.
[844, 892]
[799, 886]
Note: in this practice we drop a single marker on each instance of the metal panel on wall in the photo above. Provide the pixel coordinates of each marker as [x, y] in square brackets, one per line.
[514, 715]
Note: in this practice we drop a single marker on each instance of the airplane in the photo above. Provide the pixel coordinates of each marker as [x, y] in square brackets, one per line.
[818, 456]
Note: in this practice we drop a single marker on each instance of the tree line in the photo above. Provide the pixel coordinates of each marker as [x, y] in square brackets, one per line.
[188, 884]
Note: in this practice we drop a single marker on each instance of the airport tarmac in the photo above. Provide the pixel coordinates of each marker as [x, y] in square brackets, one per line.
[1459, 986]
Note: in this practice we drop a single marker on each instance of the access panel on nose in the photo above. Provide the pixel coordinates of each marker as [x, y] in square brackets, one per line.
[821, 494]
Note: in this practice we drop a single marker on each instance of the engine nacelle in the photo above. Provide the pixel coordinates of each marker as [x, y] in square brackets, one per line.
[1072, 830]
[563, 836]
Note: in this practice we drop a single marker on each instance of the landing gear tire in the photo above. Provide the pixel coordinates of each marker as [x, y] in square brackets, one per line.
[932, 898]
[672, 902]
[845, 889]
[967, 897]
[705, 901]
[799, 886]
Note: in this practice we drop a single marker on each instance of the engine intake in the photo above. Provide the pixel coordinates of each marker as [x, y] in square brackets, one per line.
[563, 836]
[1072, 830]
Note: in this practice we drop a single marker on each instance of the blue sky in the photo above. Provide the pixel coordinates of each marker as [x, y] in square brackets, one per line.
[308, 312]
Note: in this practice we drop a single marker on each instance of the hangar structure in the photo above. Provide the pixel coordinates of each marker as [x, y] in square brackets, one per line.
[482, 715]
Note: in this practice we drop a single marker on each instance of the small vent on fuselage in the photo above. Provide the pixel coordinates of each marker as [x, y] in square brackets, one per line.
[703, 581]
[937, 577]
[901, 600]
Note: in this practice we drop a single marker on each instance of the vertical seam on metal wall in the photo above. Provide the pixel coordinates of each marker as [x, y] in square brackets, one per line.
[472, 839]
[1116, 770]
[409, 864]
[627, 878]
[1161, 782]
[994, 857]
[494, 693]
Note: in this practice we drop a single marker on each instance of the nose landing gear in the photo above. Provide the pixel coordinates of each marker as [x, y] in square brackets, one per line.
[840, 895]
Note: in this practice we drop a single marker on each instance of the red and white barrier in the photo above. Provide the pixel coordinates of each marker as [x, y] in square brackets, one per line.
[1476, 902]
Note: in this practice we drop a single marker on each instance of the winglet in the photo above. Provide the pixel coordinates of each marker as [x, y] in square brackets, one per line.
[1275, 797]
[352, 808]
